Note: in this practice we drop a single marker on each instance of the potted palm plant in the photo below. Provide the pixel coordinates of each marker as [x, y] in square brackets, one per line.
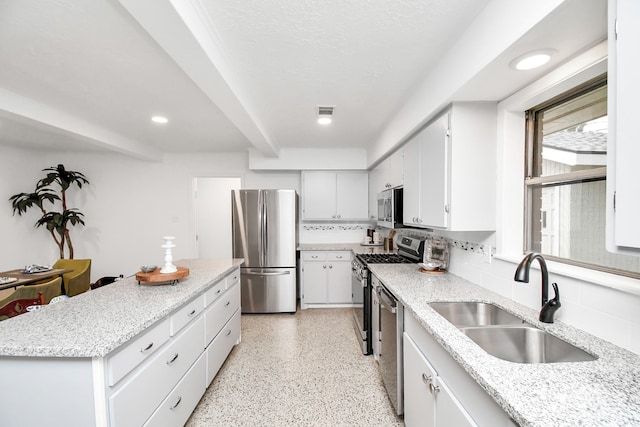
[49, 194]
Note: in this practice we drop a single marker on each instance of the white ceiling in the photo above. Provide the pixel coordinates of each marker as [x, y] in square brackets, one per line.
[230, 75]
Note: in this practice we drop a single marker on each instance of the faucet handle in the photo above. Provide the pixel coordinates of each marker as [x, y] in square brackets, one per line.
[556, 292]
[550, 308]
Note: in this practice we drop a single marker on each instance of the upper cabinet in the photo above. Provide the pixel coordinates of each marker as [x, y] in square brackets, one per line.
[332, 195]
[623, 150]
[449, 171]
[388, 174]
[392, 170]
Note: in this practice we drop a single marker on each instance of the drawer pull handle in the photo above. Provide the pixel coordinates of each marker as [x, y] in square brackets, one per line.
[434, 388]
[227, 304]
[173, 359]
[339, 256]
[218, 291]
[192, 312]
[228, 333]
[175, 405]
[426, 379]
[147, 348]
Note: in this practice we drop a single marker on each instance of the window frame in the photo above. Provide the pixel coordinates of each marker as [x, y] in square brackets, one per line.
[532, 181]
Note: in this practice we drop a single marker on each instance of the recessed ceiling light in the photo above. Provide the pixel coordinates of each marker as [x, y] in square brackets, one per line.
[532, 60]
[324, 120]
[159, 119]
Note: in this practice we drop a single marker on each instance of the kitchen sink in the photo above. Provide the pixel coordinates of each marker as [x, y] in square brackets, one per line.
[475, 314]
[525, 344]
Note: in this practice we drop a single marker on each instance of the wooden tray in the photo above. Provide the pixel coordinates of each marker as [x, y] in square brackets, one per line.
[436, 271]
[156, 278]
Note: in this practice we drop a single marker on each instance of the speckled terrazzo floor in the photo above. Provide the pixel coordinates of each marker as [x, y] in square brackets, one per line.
[299, 370]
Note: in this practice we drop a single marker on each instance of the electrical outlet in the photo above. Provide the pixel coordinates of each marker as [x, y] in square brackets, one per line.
[487, 255]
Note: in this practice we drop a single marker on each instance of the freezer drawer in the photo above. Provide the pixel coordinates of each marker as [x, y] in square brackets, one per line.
[268, 290]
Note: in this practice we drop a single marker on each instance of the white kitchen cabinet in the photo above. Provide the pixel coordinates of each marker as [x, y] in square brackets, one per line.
[388, 174]
[326, 278]
[449, 170]
[425, 162]
[438, 391]
[428, 400]
[335, 195]
[623, 150]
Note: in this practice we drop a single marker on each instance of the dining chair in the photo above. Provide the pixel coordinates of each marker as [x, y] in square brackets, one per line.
[18, 306]
[49, 289]
[78, 280]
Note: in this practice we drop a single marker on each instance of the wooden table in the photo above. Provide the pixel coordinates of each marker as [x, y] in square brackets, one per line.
[25, 279]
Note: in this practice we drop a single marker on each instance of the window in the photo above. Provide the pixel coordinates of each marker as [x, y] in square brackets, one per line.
[565, 181]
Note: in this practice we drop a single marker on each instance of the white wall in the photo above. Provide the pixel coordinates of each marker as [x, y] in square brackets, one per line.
[128, 207]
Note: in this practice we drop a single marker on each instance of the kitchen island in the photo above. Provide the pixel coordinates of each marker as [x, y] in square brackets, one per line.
[603, 392]
[123, 354]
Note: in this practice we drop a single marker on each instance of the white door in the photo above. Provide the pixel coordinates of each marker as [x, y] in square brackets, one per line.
[213, 215]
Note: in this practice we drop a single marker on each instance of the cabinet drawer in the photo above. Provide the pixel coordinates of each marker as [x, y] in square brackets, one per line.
[136, 351]
[314, 256]
[221, 346]
[177, 407]
[214, 293]
[186, 314]
[137, 398]
[339, 256]
[220, 312]
[233, 278]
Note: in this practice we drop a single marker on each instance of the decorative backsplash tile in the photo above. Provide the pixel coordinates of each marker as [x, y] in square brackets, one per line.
[334, 227]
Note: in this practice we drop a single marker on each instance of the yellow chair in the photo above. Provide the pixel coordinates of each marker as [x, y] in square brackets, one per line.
[48, 290]
[78, 280]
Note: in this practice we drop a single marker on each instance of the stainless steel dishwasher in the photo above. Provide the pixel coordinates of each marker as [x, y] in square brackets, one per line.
[390, 360]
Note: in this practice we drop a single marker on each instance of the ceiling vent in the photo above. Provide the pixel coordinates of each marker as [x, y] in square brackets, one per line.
[325, 114]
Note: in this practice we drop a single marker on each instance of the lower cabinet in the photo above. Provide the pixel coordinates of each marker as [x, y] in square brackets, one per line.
[325, 278]
[176, 408]
[437, 390]
[164, 388]
[428, 400]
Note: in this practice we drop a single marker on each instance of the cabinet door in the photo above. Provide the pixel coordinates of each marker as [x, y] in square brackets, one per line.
[339, 282]
[411, 197]
[314, 276]
[394, 169]
[449, 411]
[434, 183]
[623, 204]
[319, 195]
[352, 198]
[419, 403]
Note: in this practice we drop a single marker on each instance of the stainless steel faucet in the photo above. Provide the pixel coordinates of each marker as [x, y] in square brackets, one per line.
[549, 307]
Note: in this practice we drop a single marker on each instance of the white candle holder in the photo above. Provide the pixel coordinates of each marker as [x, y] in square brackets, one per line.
[168, 256]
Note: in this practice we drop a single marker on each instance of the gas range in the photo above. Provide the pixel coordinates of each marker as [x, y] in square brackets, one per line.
[410, 250]
[383, 258]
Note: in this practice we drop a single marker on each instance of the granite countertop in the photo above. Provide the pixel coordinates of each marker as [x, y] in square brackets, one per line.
[356, 248]
[604, 392]
[96, 322]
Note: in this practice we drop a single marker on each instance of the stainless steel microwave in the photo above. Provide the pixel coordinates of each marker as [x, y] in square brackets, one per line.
[390, 208]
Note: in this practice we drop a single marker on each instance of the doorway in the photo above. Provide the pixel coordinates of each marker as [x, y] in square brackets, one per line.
[213, 215]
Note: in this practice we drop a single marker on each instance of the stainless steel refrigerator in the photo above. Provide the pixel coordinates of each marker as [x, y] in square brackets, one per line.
[264, 233]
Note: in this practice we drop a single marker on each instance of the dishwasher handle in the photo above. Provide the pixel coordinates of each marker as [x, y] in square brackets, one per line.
[387, 301]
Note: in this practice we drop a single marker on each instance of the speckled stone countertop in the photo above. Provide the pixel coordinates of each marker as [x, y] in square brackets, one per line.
[604, 392]
[356, 248]
[96, 322]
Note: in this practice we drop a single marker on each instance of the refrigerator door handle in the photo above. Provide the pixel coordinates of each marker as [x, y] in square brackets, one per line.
[263, 228]
[265, 273]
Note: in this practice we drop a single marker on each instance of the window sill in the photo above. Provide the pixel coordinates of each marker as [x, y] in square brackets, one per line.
[608, 280]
